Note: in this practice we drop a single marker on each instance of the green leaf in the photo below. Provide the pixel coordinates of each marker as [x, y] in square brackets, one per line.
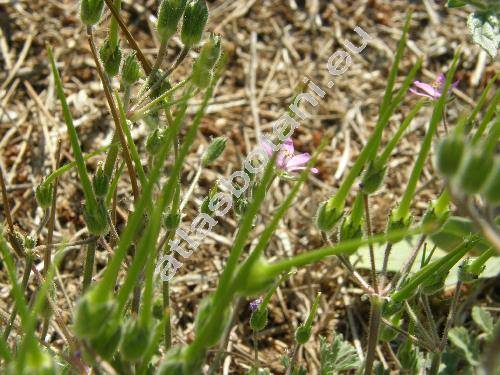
[338, 356]
[459, 336]
[456, 3]
[484, 320]
[484, 30]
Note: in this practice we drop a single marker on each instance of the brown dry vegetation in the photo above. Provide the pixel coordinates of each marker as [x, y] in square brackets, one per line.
[272, 45]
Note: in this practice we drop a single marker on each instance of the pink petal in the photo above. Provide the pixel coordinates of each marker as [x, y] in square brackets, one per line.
[296, 169]
[281, 160]
[267, 147]
[288, 146]
[440, 79]
[298, 160]
[314, 170]
[428, 89]
[455, 84]
[413, 91]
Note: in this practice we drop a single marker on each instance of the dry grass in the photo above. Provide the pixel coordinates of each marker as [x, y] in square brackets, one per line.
[272, 45]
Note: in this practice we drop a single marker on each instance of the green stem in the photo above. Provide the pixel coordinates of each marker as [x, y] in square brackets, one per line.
[89, 265]
[373, 332]
[113, 26]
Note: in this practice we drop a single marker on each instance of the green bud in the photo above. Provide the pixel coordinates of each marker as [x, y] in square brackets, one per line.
[107, 342]
[449, 155]
[326, 217]
[217, 330]
[302, 334]
[158, 310]
[240, 205]
[373, 178]
[491, 188]
[214, 150]
[97, 222]
[91, 315]
[169, 15]
[205, 206]
[173, 363]
[111, 58]
[195, 20]
[398, 224]
[100, 182]
[136, 338]
[258, 319]
[164, 86]
[209, 54]
[465, 274]
[201, 78]
[258, 279]
[91, 11]
[349, 231]
[154, 142]
[171, 220]
[131, 70]
[43, 195]
[474, 171]
[29, 242]
[432, 222]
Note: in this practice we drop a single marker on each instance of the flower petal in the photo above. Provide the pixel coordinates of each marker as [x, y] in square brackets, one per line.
[266, 145]
[413, 91]
[428, 89]
[298, 160]
[288, 146]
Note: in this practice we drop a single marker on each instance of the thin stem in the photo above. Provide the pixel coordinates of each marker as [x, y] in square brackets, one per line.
[293, 359]
[255, 351]
[190, 190]
[373, 332]
[114, 112]
[6, 205]
[451, 315]
[89, 264]
[387, 252]
[161, 54]
[370, 245]
[130, 39]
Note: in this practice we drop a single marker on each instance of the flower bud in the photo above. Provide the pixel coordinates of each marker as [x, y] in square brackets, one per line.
[449, 155]
[100, 182]
[491, 188]
[210, 52]
[396, 224]
[29, 242]
[136, 338]
[97, 222]
[302, 334]
[154, 142]
[111, 58]
[349, 231]
[217, 330]
[171, 220]
[43, 195]
[432, 222]
[373, 178]
[240, 205]
[465, 274]
[92, 314]
[326, 217]
[152, 81]
[214, 150]
[201, 78]
[107, 342]
[131, 71]
[474, 171]
[258, 279]
[169, 15]
[91, 11]
[195, 20]
[258, 319]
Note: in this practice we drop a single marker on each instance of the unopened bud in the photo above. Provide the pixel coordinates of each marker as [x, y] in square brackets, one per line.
[475, 170]
[449, 155]
[43, 195]
[258, 319]
[326, 217]
[396, 224]
[111, 58]
[100, 182]
[154, 142]
[91, 315]
[131, 71]
[91, 11]
[29, 242]
[172, 220]
[491, 188]
[107, 342]
[214, 150]
[136, 338]
[350, 231]
[169, 15]
[195, 20]
[373, 178]
[97, 221]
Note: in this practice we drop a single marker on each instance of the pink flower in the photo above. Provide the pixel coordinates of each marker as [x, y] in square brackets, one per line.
[255, 304]
[432, 91]
[287, 160]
